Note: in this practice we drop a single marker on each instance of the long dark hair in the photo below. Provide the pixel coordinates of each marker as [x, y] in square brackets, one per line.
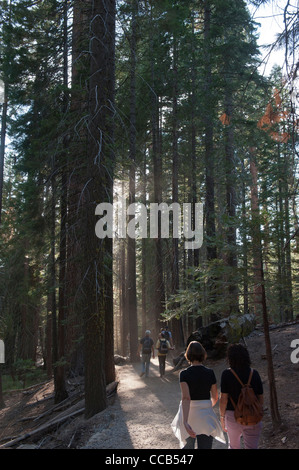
[238, 356]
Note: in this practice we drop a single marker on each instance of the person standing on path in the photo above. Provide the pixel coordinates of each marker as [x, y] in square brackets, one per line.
[146, 347]
[196, 419]
[239, 361]
[163, 347]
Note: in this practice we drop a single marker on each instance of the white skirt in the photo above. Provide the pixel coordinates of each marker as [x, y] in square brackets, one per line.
[202, 420]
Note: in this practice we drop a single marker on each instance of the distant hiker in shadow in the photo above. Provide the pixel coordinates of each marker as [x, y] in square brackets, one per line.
[163, 347]
[196, 419]
[167, 335]
[146, 347]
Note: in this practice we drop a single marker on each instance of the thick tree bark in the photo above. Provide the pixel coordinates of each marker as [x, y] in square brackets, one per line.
[60, 386]
[75, 185]
[96, 284]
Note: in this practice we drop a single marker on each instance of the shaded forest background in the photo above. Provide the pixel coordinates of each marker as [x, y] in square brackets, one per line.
[154, 102]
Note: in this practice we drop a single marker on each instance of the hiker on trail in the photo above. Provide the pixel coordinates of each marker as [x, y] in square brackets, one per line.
[163, 347]
[167, 335]
[239, 362]
[146, 346]
[196, 419]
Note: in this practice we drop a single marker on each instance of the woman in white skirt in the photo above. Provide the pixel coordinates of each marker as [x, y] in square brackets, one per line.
[196, 419]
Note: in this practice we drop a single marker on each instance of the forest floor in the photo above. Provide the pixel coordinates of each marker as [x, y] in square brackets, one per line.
[140, 413]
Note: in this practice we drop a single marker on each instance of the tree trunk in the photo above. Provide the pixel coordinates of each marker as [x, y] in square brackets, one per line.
[209, 131]
[109, 313]
[211, 248]
[131, 263]
[123, 296]
[231, 258]
[276, 420]
[99, 170]
[60, 390]
[193, 185]
[143, 255]
[2, 403]
[176, 325]
[260, 296]
[245, 251]
[175, 193]
[289, 291]
[48, 340]
[4, 117]
[76, 155]
[159, 295]
[255, 227]
[287, 248]
[53, 281]
[2, 146]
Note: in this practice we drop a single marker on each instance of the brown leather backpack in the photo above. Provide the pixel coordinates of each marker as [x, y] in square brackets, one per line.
[248, 410]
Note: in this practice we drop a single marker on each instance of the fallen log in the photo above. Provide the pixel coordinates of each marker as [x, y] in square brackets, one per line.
[216, 336]
[120, 360]
[111, 388]
[27, 390]
[60, 406]
[42, 429]
[72, 412]
[180, 362]
[39, 402]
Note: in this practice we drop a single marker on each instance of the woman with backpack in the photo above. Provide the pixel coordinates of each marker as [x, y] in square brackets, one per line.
[196, 419]
[241, 399]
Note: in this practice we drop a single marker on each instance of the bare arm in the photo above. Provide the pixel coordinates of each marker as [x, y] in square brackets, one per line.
[222, 408]
[186, 406]
[214, 394]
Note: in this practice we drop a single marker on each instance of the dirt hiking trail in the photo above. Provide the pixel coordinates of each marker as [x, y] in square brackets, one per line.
[140, 413]
[145, 407]
[143, 411]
